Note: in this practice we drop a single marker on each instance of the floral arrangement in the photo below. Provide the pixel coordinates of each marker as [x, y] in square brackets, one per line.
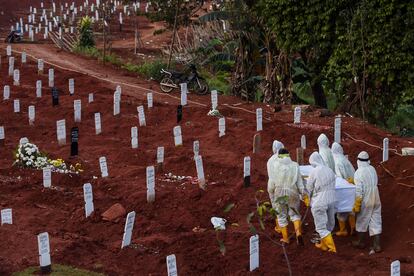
[214, 112]
[27, 155]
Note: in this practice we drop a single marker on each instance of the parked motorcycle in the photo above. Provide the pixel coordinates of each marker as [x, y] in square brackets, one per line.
[14, 37]
[172, 80]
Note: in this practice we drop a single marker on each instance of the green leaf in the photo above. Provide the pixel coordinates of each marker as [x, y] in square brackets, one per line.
[228, 207]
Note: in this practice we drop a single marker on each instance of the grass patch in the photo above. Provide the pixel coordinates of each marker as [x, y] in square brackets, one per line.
[58, 270]
[150, 69]
[92, 52]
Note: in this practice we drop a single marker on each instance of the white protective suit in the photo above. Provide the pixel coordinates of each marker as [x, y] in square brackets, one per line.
[321, 187]
[366, 181]
[343, 168]
[325, 151]
[286, 182]
[274, 158]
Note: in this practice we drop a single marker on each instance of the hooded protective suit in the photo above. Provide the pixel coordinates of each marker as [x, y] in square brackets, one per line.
[273, 159]
[367, 197]
[325, 151]
[343, 167]
[321, 187]
[286, 182]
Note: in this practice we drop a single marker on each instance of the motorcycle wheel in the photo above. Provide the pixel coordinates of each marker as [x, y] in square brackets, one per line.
[200, 86]
[166, 85]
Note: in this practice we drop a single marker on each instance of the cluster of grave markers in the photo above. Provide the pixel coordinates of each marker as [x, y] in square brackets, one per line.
[43, 238]
[63, 19]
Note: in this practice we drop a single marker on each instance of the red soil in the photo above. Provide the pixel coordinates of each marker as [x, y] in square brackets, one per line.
[166, 226]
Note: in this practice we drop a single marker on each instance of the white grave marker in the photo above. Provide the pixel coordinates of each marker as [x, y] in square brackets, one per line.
[396, 268]
[254, 252]
[61, 131]
[6, 92]
[11, 66]
[47, 177]
[8, 50]
[134, 137]
[24, 57]
[51, 77]
[77, 107]
[150, 184]
[71, 86]
[200, 171]
[303, 142]
[2, 136]
[104, 167]
[196, 148]
[337, 130]
[31, 114]
[39, 89]
[259, 119]
[90, 97]
[385, 151]
[246, 171]
[40, 66]
[88, 197]
[16, 77]
[246, 166]
[117, 103]
[160, 155]
[129, 226]
[150, 101]
[141, 115]
[214, 99]
[98, 127]
[172, 265]
[44, 249]
[6, 216]
[222, 127]
[297, 114]
[183, 93]
[178, 139]
[16, 106]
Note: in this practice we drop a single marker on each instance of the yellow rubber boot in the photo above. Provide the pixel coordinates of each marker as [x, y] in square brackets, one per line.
[351, 219]
[322, 246]
[285, 236]
[298, 231]
[329, 242]
[297, 225]
[342, 229]
[277, 227]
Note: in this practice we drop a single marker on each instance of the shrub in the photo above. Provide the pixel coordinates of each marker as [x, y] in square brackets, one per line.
[85, 38]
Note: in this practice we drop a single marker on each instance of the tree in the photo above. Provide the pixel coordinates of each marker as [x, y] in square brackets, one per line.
[163, 10]
[307, 28]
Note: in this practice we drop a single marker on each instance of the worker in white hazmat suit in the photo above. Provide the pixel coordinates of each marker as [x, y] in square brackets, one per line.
[285, 190]
[325, 151]
[344, 169]
[321, 187]
[367, 203]
[276, 146]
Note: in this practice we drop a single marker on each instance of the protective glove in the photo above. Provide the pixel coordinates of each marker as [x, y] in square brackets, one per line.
[350, 180]
[306, 200]
[357, 205]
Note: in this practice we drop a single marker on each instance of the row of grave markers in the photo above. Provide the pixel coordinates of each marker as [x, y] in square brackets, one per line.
[69, 14]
